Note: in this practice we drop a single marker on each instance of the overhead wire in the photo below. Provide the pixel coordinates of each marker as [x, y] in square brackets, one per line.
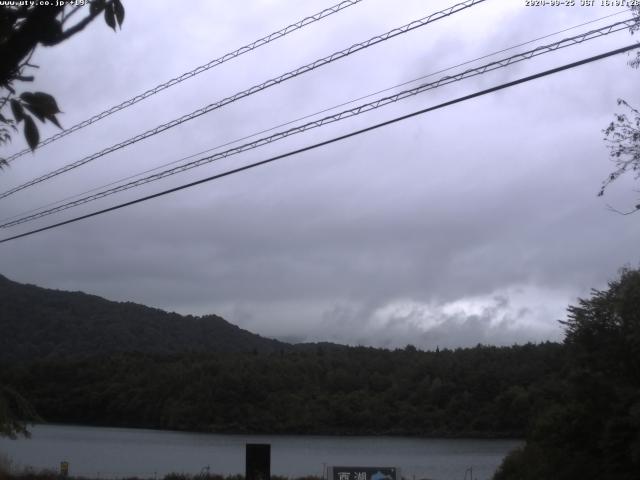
[250, 91]
[192, 73]
[319, 112]
[332, 140]
[381, 102]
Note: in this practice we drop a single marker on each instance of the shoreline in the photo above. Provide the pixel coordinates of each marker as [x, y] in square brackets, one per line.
[434, 436]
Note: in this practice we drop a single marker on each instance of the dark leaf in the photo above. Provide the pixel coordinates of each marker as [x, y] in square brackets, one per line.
[17, 110]
[110, 17]
[96, 7]
[36, 112]
[50, 33]
[44, 103]
[118, 8]
[54, 120]
[31, 132]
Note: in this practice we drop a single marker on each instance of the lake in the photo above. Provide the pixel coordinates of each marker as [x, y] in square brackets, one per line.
[118, 452]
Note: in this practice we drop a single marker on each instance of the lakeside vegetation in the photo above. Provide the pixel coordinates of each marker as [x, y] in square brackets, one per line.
[590, 427]
[477, 392]
[86, 360]
[576, 403]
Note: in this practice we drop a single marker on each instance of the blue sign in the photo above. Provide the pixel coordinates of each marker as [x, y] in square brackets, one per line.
[364, 473]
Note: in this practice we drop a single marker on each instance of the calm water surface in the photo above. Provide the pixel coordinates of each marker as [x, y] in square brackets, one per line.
[117, 452]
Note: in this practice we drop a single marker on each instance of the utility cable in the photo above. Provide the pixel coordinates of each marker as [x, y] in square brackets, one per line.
[333, 140]
[192, 73]
[289, 122]
[256, 88]
[381, 102]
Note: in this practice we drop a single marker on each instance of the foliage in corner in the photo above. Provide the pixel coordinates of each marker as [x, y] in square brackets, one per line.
[635, 63]
[622, 136]
[15, 411]
[590, 427]
[23, 27]
[623, 140]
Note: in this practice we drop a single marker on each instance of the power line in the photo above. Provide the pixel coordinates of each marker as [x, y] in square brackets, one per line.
[256, 88]
[192, 73]
[381, 102]
[334, 139]
[332, 118]
[289, 122]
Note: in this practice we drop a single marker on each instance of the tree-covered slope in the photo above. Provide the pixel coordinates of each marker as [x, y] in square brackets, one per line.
[477, 392]
[590, 427]
[82, 359]
[38, 323]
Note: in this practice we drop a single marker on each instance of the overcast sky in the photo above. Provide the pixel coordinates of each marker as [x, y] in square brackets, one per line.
[476, 223]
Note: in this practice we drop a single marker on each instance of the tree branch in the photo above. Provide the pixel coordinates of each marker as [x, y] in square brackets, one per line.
[67, 16]
[35, 29]
[78, 27]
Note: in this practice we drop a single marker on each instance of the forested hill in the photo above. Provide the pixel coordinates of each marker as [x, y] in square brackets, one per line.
[578, 403]
[83, 359]
[38, 323]
[476, 392]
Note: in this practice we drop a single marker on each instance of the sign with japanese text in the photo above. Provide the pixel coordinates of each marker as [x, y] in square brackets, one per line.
[364, 473]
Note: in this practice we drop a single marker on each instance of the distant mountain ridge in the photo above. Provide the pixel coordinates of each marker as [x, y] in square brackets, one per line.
[74, 357]
[38, 323]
